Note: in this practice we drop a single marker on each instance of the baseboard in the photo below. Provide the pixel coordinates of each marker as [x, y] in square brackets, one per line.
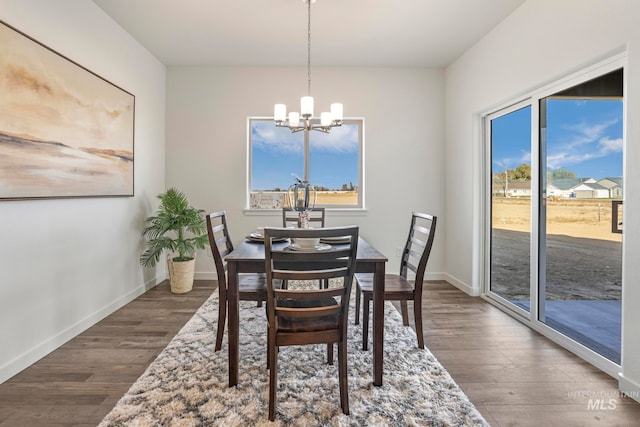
[31, 356]
[435, 276]
[205, 275]
[461, 285]
[629, 388]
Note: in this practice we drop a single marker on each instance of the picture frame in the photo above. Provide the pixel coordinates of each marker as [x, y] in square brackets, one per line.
[65, 131]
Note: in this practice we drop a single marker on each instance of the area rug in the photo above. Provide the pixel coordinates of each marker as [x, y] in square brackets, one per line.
[187, 385]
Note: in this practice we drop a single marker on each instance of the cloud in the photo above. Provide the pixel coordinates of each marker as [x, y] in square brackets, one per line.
[608, 145]
[507, 163]
[20, 76]
[268, 137]
[586, 133]
[562, 159]
[342, 139]
[581, 142]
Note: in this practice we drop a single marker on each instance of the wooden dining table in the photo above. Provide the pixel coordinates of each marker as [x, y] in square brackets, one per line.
[248, 257]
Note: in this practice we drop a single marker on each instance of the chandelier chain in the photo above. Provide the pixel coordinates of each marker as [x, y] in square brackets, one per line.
[309, 47]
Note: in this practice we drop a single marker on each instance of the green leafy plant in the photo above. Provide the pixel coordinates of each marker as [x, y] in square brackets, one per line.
[176, 227]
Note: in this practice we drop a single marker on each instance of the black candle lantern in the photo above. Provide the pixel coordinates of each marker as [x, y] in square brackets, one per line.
[302, 197]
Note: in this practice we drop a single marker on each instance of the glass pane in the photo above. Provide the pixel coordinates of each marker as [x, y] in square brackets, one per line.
[276, 155]
[511, 207]
[581, 260]
[334, 162]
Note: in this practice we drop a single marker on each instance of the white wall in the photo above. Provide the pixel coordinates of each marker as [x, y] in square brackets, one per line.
[68, 263]
[207, 110]
[540, 41]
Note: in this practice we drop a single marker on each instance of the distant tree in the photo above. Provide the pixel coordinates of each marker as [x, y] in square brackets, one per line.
[277, 189]
[344, 187]
[521, 173]
[562, 173]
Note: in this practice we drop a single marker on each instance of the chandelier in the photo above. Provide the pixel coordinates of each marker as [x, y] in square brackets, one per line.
[304, 120]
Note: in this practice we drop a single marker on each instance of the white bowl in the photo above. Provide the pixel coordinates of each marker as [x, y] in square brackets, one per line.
[307, 243]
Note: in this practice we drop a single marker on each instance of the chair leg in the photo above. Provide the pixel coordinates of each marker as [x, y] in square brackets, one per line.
[273, 371]
[330, 353]
[268, 348]
[405, 312]
[222, 316]
[417, 315]
[358, 292]
[365, 323]
[343, 378]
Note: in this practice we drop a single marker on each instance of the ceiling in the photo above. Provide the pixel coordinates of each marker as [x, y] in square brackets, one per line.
[371, 33]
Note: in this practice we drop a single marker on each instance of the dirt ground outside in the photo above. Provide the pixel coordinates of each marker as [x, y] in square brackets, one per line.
[583, 256]
[583, 218]
[279, 199]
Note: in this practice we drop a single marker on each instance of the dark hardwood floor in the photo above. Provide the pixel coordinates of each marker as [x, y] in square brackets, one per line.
[80, 382]
[513, 375]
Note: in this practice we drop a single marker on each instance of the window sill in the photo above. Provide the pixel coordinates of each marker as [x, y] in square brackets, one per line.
[330, 211]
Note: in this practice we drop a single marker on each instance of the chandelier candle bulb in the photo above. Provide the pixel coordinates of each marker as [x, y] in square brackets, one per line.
[325, 119]
[280, 112]
[294, 119]
[306, 106]
[336, 111]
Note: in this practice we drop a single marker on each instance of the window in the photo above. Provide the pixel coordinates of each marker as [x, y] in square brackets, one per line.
[332, 163]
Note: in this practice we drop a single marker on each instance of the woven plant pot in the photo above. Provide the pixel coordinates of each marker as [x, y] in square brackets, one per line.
[181, 275]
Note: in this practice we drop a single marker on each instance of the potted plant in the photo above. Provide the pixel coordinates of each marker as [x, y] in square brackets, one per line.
[178, 228]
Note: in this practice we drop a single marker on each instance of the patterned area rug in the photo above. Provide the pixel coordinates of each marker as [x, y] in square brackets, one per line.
[187, 384]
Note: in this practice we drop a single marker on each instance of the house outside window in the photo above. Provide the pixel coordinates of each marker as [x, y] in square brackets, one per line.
[331, 162]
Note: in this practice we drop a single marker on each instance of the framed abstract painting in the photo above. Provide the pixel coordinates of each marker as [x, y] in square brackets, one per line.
[64, 130]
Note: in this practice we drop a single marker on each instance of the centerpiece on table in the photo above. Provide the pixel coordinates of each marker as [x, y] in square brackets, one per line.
[302, 197]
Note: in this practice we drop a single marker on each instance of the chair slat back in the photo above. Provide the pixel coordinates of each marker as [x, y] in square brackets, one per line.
[418, 247]
[290, 217]
[220, 243]
[337, 262]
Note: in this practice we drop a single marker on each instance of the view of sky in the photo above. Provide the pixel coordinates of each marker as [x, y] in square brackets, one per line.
[511, 140]
[276, 154]
[583, 136]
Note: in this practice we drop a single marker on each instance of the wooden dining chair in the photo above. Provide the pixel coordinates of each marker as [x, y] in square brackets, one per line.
[398, 287]
[290, 217]
[309, 316]
[251, 286]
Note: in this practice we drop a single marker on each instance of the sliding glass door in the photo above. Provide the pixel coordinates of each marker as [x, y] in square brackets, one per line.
[580, 287]
[554, 230]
